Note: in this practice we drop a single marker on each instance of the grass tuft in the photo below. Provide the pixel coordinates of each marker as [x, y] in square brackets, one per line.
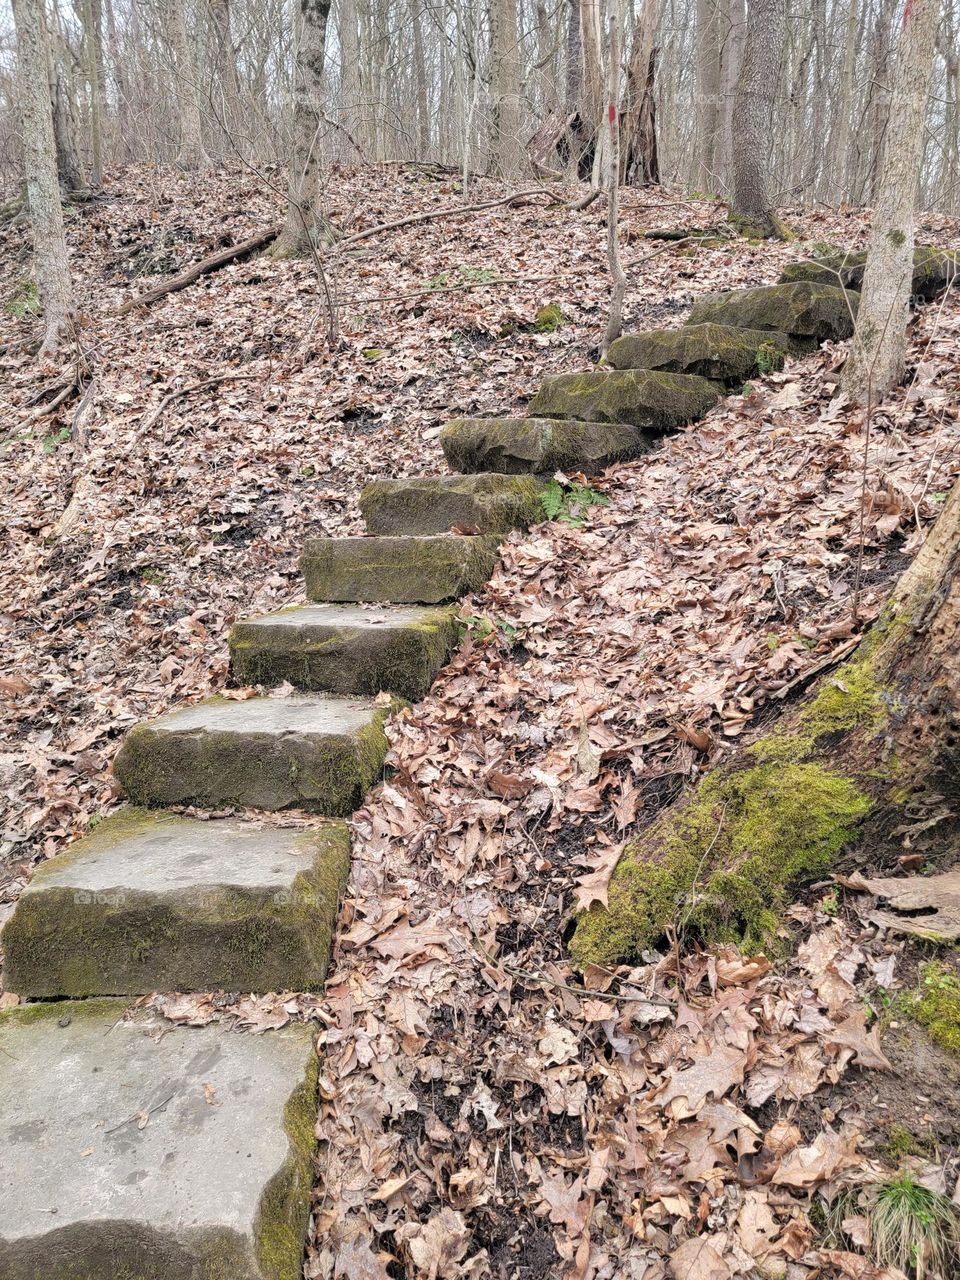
[912, 1228]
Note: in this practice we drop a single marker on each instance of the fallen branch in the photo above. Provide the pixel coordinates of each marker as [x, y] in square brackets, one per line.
[454, 212]
[154, 418]
[216, 260]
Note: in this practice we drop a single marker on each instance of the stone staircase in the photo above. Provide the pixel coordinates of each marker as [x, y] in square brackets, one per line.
[136, 1149]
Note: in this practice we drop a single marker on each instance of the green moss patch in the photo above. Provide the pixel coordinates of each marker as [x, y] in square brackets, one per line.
[722, 864]
[936, 1006]
[548, 319]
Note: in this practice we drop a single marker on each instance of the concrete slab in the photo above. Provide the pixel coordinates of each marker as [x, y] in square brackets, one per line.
[309, 751]
[144, 1151]
[426, 570]
[345, 648]
[154, 902]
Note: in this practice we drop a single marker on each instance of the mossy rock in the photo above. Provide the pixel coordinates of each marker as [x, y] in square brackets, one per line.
[424, 505]
[814, 312]
[933, 270]
[142, 1150]
[644, 398]
[539, 445]
[427, 570]
[722, 864]
[345, 649]
[309, 752]
[715, 351]
[156, 902]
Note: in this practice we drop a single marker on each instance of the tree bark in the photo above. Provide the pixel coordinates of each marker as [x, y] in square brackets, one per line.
[756, 92]
[225, 62]
[192, 154]
[640, 161]
[878, 352]
[92, 67]
[507, 148]
[615, 319]
[303, 182]
[40, 168]
[844, 774]
[708, 93]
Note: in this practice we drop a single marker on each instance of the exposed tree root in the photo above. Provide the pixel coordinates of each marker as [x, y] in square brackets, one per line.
[216, 260]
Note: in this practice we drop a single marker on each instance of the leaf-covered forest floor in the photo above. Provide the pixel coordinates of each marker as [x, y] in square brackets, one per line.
[482, 1113]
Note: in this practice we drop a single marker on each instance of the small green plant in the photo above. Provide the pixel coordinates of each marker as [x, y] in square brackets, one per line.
[479, 628]
[24, 301]
[151, 575]
[769, 358]
[56, 439]
[568, 503]
[913, 1227]
[477, 275]
[440, 281]
[829, 904]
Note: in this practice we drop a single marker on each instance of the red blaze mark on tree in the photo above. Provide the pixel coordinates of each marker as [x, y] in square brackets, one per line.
[907, 11]
[612, 113]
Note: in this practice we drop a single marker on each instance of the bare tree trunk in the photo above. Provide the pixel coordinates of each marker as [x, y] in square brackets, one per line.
[878, 352]
[640, 161]
[731, 59]
[753, 106]
[68, 162]
[192, 154]
[841, 164]
[593, 95]
[40, 168]
[507, 147]
[576, 144]
[225, 61]
[348, 103]
[421, 88]
[303, 184]
[708, 93]
[91, 59]
[615, 320]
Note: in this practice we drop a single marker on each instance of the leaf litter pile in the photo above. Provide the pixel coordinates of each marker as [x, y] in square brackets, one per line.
[485, 1109]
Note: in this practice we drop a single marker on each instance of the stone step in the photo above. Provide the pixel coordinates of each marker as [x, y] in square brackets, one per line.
[408, 570]
[804, 311]
[345, 648]
[484, 503]
[933, 270]
[145, 1151]
[539, 445]
[654, 401]
[715, 351]
[309, 751]
[153, 902]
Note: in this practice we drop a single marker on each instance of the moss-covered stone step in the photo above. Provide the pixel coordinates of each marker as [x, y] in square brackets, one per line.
[715, 351]
[146, 1151]
[484, 503]
[933, 270]
[308, 751]
[154, 902]
[427, 570]
[345, 648]
[645, 398]
[804, 311]
[539, 445]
